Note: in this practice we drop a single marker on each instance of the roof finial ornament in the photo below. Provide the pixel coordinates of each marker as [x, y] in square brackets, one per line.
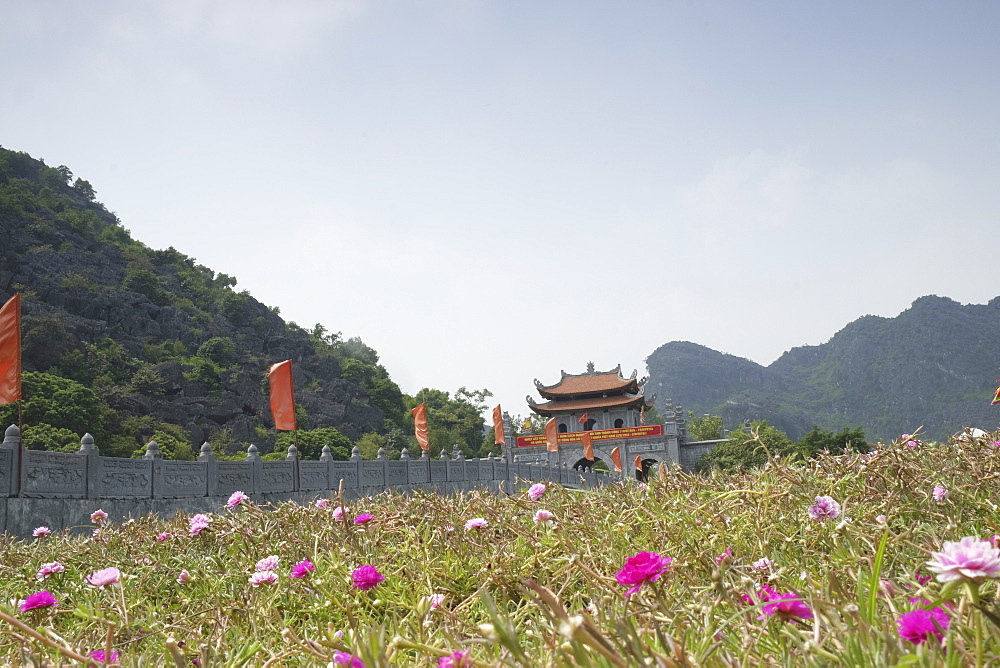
[590, 367]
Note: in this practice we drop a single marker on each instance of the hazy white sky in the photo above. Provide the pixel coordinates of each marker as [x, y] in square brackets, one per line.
[489, 192]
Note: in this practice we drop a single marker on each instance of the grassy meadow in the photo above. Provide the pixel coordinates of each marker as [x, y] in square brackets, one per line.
[760, 572]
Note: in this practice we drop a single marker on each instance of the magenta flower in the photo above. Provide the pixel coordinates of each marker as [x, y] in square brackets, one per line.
[922, 579]
[263, 577]
[921, 626]
[536, 491]
[456, 660]
[98, 516]
[544, 517]
[104, 577]
[476, 523]
[969, 559]
[727, 555]
[824, 509]
[184, 577]
[940, 492]
[303, 568]
[785, 606]
[345, 659]
[198, 523]
[267, 563]
[163, 536]
[40, 599]
[364, 518]
[41, 532]
[643, 567]
[367, 577]
[49, 569]
[100, 656]
[237, 498]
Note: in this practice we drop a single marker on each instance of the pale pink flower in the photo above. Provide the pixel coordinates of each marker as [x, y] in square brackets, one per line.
[536, 491]
[436, 600]
[163, 536]
[41, 532]
[184, 577]
[104, 577]
[912, 444]
[969, 559]
[941, 492]
[725, 556]
[263, 577]
[476, 523]
[143, 560]
[642, 486]
[447, 528]
[544, 517]
[267, 563]
[198, 523]
[824, 509]
[338, 512]
[237, 498]
[881, 519]
[98, 516]
[763, 565]
[322, 504]
[48, 569]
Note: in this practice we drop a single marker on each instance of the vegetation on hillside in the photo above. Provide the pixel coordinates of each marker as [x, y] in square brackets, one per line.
[860, 559]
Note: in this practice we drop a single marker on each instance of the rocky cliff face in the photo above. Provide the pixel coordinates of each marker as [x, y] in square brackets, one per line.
[85, 284]
[933, 365]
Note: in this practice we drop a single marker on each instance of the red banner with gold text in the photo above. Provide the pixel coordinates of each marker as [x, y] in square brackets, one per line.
[642, 431]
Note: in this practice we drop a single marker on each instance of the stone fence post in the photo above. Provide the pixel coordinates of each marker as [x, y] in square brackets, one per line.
[10, 462]
[293, 456]
[89, 450]
[211, 468]
[253, 456]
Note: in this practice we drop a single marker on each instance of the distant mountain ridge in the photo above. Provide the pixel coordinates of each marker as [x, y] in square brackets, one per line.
[932, 365]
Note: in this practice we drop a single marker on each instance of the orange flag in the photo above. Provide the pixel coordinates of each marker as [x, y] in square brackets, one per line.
[616, 457]
[499, 437]
[282, 396]
[583, 418]
[10, 351]
[638, 463]
[552, 436]
[588, 447]
[420, 426]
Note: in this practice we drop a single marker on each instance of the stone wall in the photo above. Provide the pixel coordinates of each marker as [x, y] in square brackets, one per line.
[60, 490]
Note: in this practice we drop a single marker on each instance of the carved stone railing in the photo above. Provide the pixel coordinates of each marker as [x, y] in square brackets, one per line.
[85, 474]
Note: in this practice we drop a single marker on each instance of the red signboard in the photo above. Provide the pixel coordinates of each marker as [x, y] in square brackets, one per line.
[597, 435]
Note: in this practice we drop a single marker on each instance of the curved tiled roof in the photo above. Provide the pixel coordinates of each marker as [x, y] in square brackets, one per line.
[589, 403]
[590, 383]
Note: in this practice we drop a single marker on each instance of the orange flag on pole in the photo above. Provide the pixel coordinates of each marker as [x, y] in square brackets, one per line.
[552, 436]
[282, 396]
[616, 457]
[583, 418]
[499, 437]
[420, 426]
[10, 351]
[638, 463]
[588, 446]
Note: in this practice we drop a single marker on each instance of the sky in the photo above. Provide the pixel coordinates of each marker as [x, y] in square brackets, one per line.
[491, 192]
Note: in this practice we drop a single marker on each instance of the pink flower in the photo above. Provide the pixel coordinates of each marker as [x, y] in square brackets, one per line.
[921, 626]
[41, 532]
[198, 523]
[727, 555]
[906, 437]
[184, 577]
[785, 606]
[881, 519]
[303, 568]
[536, 491]
[49, 569]
[912, 444]
[922, 579]
[643, 567]
[98, 516]
[263, 577]
[824, 509]
[367, 577]
[237, 498]
[104, 577]
[267, 563]
[143, 560]
[436, 600]
[364, 518]
[763, 565]
[456, 660]
[338, 512]
[476, 523]
[321, 503]
[941, 492]
[543, 517]
[40, 599]
[345, 659]
[969, 559]
[447, 528]
[99, 656]
[163, 536]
